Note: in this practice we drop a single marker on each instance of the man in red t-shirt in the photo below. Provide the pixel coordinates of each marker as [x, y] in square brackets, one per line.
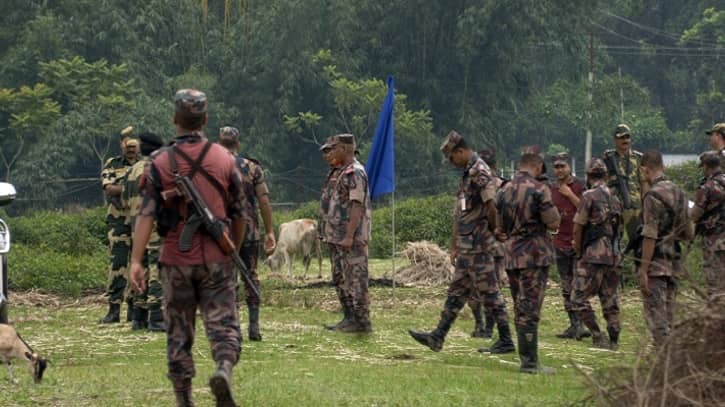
[566, 190]
[196, 273]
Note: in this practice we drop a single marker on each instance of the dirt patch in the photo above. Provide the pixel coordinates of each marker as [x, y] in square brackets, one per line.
[35, 298]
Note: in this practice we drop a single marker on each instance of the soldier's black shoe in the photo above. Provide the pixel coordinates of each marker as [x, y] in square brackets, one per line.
[599, 341]
[156, 319]
[113, 316]
[500, 347]
[220, 385]
[129, 310]
[347, 318]
[613, 338]
[356, 327]
[481, 332]
[140, 319]
[254, 334]
[528, 351]
[428, 339]
[183, 399]
[582, 332]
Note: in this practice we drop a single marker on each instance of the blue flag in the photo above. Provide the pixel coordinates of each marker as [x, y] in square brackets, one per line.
[380, 165]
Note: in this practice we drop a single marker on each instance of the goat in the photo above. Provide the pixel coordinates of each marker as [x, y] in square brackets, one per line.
[12, 346]
[297, 236]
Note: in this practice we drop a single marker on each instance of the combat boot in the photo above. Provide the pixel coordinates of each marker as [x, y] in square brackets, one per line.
[613, 338]
[434, 340]
[504, 344]
[254, 334]
[360, 323]
[221, 385]
[156, 319]
[575, 330]
[182, 391]
[129, 310]
[490, 322]
[480, 328]
[140, 319]
[599, 341]
[113, 316]
[528, 351]
[347, 318]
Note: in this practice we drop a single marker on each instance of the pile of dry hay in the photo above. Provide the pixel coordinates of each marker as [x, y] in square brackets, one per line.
[429, 265]
[688, 370]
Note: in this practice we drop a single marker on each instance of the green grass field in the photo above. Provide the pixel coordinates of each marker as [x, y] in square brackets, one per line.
[301, 364]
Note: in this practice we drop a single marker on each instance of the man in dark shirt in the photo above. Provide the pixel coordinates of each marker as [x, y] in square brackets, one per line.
[566, 191]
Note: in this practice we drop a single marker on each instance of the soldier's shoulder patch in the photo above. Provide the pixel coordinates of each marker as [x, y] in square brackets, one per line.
[609, 153]
[639, 154]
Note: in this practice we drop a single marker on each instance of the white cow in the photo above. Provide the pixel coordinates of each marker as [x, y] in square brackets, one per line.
[297, 236]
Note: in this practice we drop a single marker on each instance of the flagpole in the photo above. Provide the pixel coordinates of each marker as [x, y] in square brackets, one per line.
[393, 258]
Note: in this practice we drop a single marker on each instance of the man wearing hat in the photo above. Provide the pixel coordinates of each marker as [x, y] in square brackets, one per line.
[197, 273]
[597, 231]
[526, 216]
[146, 305]
[624, 177]
[472, 249]
[118, 221]
[257, 195]
[708, 213]
[665, 224]
[717, 141]
[566, 191]
[345, 213]
[481, 329]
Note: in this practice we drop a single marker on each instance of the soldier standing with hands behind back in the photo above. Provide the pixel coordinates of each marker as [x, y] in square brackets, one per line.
[345, 225]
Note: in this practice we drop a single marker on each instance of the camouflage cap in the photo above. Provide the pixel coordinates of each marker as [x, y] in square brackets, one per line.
[229, 134]
[488, 155]
[596, 166]
[130, 142]
[338, 139]
[622, 130]
[190, 101]
[710, 159]
[452, 140]
[560, 158]
[718, 128]
[126, 132]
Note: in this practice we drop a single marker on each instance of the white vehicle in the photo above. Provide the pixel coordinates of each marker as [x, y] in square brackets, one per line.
[7, 195]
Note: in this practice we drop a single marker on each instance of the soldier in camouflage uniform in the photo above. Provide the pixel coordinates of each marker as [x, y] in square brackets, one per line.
[526, 212]
[596, 243]
[147, 311]
[345, 226]
[196, 273]
[472, 249]
[708, 213]
[566, 192]
[623, 163]
[119, 225]
[481, 329]
[257, 194]
[717, 141]
[665, 225]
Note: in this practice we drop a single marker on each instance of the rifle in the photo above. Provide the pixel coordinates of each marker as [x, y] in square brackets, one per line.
[202, 216]
[620, 184]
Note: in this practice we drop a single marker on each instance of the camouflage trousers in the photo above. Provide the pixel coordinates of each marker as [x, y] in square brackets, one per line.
[600, 280]
[154, 292]
[713, 267]
[566, 264]
[527, 289]
[350, 278]
[212, 288]
[249, 254]
[659, 306]
[119, 249]
[476, 281]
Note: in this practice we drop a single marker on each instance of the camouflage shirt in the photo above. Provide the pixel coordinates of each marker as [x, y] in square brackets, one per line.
[524, 208]
[709, 211]
[131, 196]
[113, 172]
[628, 168]
[665, 219]
[342, 187]
[597, 209]
[255, 187]
[477, 187]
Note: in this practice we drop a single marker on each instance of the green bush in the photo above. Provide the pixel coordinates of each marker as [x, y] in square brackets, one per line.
[77, 233]
[686, 175]
[47, 270]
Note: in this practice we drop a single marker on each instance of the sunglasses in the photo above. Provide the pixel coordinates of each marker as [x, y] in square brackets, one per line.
[560, 166]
